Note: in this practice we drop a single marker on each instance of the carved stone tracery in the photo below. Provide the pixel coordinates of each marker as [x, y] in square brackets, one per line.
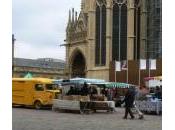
[101, 2]
[119, 2]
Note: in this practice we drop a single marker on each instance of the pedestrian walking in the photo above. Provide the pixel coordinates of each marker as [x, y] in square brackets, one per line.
[138, 111]
[129, 101]
[109, 94]
[137, 95]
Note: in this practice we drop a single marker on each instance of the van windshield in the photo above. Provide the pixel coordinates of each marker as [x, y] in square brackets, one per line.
[51, 87]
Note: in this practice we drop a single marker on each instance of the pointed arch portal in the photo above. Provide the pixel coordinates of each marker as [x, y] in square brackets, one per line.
[78, 66]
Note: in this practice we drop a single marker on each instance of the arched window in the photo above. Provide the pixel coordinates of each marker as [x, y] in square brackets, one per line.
[123, 34]
[119, 36]
[97, 47]
[115, 35]
[100, 48]
[103, 41]
[137, 30]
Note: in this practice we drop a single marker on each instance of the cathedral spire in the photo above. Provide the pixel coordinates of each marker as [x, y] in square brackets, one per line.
[69, 16]
[73, 15]
[69, 21]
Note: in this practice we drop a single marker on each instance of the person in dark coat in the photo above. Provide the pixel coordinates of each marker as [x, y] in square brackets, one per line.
[71, 91]
[94, 90]
[158, 93]
[84, 90]
[129, 101]
[104, 91]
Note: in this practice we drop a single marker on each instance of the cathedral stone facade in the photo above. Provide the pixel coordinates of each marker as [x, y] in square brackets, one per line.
[105, 31]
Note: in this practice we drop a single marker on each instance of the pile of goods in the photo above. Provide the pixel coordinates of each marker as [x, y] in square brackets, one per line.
[76, 98]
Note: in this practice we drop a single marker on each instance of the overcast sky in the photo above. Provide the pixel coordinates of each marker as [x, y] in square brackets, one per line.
[39, 27]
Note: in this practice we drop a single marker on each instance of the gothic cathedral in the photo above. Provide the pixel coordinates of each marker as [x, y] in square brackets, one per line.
[106, 31]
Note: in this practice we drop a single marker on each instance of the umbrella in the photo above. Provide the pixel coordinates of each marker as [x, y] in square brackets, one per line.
[28, 75]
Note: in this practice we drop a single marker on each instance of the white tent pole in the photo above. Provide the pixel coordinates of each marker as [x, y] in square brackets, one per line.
[149, 67]
[127, 70]
[115, 74]
[139, 73]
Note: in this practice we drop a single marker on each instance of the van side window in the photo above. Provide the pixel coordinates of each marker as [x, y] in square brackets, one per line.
[39, 87]
[51, 86]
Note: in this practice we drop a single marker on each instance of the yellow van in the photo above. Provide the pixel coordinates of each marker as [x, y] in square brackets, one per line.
[35, 92]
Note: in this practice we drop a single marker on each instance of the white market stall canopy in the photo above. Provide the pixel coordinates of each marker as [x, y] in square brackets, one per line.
[99, 82]
[153, 81]
[83, 80]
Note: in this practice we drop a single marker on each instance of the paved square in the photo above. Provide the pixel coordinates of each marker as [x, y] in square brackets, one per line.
[30, 119]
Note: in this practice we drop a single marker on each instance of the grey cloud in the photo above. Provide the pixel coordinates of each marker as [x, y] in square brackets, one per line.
[42, 23]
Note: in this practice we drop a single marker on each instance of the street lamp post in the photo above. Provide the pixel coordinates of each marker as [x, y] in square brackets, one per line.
[13, 44]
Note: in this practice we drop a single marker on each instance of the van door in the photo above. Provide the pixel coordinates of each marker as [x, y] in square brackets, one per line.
[41, 94]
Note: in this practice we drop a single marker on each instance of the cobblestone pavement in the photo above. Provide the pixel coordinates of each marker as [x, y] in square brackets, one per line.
[30, 119]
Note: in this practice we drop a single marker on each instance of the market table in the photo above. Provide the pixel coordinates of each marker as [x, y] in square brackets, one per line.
[66, 104]
[99, 105]
[150, 106]
[83, 106]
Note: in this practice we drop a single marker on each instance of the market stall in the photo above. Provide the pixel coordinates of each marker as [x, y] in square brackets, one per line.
[73, 98]
[115, 91]
[151, 102]
[153, 81]
[149, 106]
[82, 105]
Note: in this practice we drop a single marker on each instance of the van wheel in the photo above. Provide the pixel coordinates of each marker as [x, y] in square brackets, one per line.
[37, 105]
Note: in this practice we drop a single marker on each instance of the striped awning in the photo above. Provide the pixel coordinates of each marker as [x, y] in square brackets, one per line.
[82, 80]
[117, 85]
[153, 78]
[100, 83]
[114, 85]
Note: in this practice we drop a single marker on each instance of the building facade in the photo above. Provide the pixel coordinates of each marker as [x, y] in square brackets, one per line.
[154, 29]
[111, 30]
[45, 67]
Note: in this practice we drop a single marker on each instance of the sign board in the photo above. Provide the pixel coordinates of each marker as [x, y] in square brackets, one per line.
[153, 83]
[117, 66]
[152, 64]
[143, 64]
